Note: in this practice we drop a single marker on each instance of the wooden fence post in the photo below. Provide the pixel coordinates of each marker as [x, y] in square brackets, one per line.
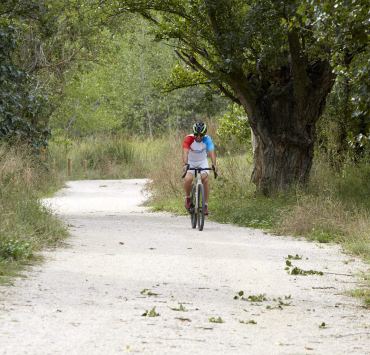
[69, 166]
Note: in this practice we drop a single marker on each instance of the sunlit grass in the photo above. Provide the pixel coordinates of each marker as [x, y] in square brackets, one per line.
[105, 157]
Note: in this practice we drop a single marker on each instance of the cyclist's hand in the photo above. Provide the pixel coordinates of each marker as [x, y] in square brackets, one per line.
[215, 170]
[185, 168]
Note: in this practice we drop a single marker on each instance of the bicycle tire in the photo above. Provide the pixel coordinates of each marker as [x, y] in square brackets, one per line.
[193, 215]
[200, 207]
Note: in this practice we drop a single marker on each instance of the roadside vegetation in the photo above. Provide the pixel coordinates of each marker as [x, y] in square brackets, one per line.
[114, 94]
[26, 225]
[332, 208]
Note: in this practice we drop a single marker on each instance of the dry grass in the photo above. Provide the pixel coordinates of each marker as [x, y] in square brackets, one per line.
[334, 208]
[166, 176]
[108, 157]
[25, 225]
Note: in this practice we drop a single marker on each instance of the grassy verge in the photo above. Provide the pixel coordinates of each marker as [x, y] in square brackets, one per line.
[108, 157]
[333, 208]
[25, 225]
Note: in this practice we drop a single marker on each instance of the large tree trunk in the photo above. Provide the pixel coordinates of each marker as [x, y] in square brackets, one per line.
[283, 147]
[283, 117]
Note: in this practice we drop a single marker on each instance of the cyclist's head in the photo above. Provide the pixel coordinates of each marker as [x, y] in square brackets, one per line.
[199, 129]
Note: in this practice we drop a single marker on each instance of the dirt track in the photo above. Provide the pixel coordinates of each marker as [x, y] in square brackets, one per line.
[89, 297]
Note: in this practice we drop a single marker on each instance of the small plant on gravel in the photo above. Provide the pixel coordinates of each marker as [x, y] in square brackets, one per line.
[239, 295]
[251, 321]
[294, 257]
[257, 298]
[147, 292]
[216, 320]
[251, 298]
[297, 271]
[281, 302]
[322, 325]
[180, 308]
[151, 313]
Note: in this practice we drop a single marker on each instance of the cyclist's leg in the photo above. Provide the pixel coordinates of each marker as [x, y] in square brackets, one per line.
[187, 183]
[187, 187]
[206, 186]
[204, 165]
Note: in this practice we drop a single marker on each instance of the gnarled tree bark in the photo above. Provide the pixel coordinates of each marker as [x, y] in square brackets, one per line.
[283, 113]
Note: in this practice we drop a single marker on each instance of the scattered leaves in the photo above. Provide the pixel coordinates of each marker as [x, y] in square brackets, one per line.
[216, 320]
[251, 298]
[181, 308]
[297, 271]
[251, 321]
[294, 257]
[147, 292]
[151, 313]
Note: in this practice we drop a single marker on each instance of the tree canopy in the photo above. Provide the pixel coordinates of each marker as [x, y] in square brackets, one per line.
[278, 59]
[299, 69]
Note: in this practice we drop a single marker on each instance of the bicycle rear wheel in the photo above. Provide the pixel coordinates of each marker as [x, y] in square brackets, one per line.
[200, 211]
[193, 215]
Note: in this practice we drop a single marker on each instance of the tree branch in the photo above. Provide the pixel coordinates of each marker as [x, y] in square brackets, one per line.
[300, 77]
[196, 66]
[175, 87]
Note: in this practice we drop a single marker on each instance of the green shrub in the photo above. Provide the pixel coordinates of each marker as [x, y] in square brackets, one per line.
[25, 225]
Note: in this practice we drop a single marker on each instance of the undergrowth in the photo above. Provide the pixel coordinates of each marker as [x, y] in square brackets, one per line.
[105, 157]
[26, 225]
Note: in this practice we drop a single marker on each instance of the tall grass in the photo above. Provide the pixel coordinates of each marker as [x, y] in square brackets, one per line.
[335, 207]
[25, 225]
[108, 157]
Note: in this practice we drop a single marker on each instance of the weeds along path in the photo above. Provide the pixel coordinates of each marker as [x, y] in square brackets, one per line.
[135, 281]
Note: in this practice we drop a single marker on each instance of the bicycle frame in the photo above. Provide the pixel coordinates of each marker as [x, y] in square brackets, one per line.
[197, 211]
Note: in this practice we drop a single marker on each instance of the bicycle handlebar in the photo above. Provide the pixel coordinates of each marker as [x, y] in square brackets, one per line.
[199, 170]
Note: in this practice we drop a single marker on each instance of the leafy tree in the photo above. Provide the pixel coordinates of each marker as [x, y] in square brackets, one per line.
[129, 92]
[21, 102]
[40, 42]
[275, 58]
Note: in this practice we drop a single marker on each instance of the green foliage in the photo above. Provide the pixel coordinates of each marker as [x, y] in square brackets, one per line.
[128, 93]
[233, 130]
[41, 43]
[25, 225]
[21, 103]
[14, 249]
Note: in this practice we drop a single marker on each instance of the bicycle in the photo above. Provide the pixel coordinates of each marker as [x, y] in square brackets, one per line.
[197, 198]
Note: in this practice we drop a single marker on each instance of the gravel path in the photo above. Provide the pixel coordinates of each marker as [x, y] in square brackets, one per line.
[121, 261]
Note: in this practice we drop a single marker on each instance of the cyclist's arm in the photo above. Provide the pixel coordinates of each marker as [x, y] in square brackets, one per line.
[210, 149]
[185, 155]
[212, 155]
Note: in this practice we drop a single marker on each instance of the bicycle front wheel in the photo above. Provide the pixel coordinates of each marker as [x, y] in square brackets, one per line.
[200, 210]
[193, 214]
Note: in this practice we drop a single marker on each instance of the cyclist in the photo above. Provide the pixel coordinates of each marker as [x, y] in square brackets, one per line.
[196, 148]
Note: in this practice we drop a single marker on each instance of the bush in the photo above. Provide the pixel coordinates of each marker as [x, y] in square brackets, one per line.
[25, 225]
